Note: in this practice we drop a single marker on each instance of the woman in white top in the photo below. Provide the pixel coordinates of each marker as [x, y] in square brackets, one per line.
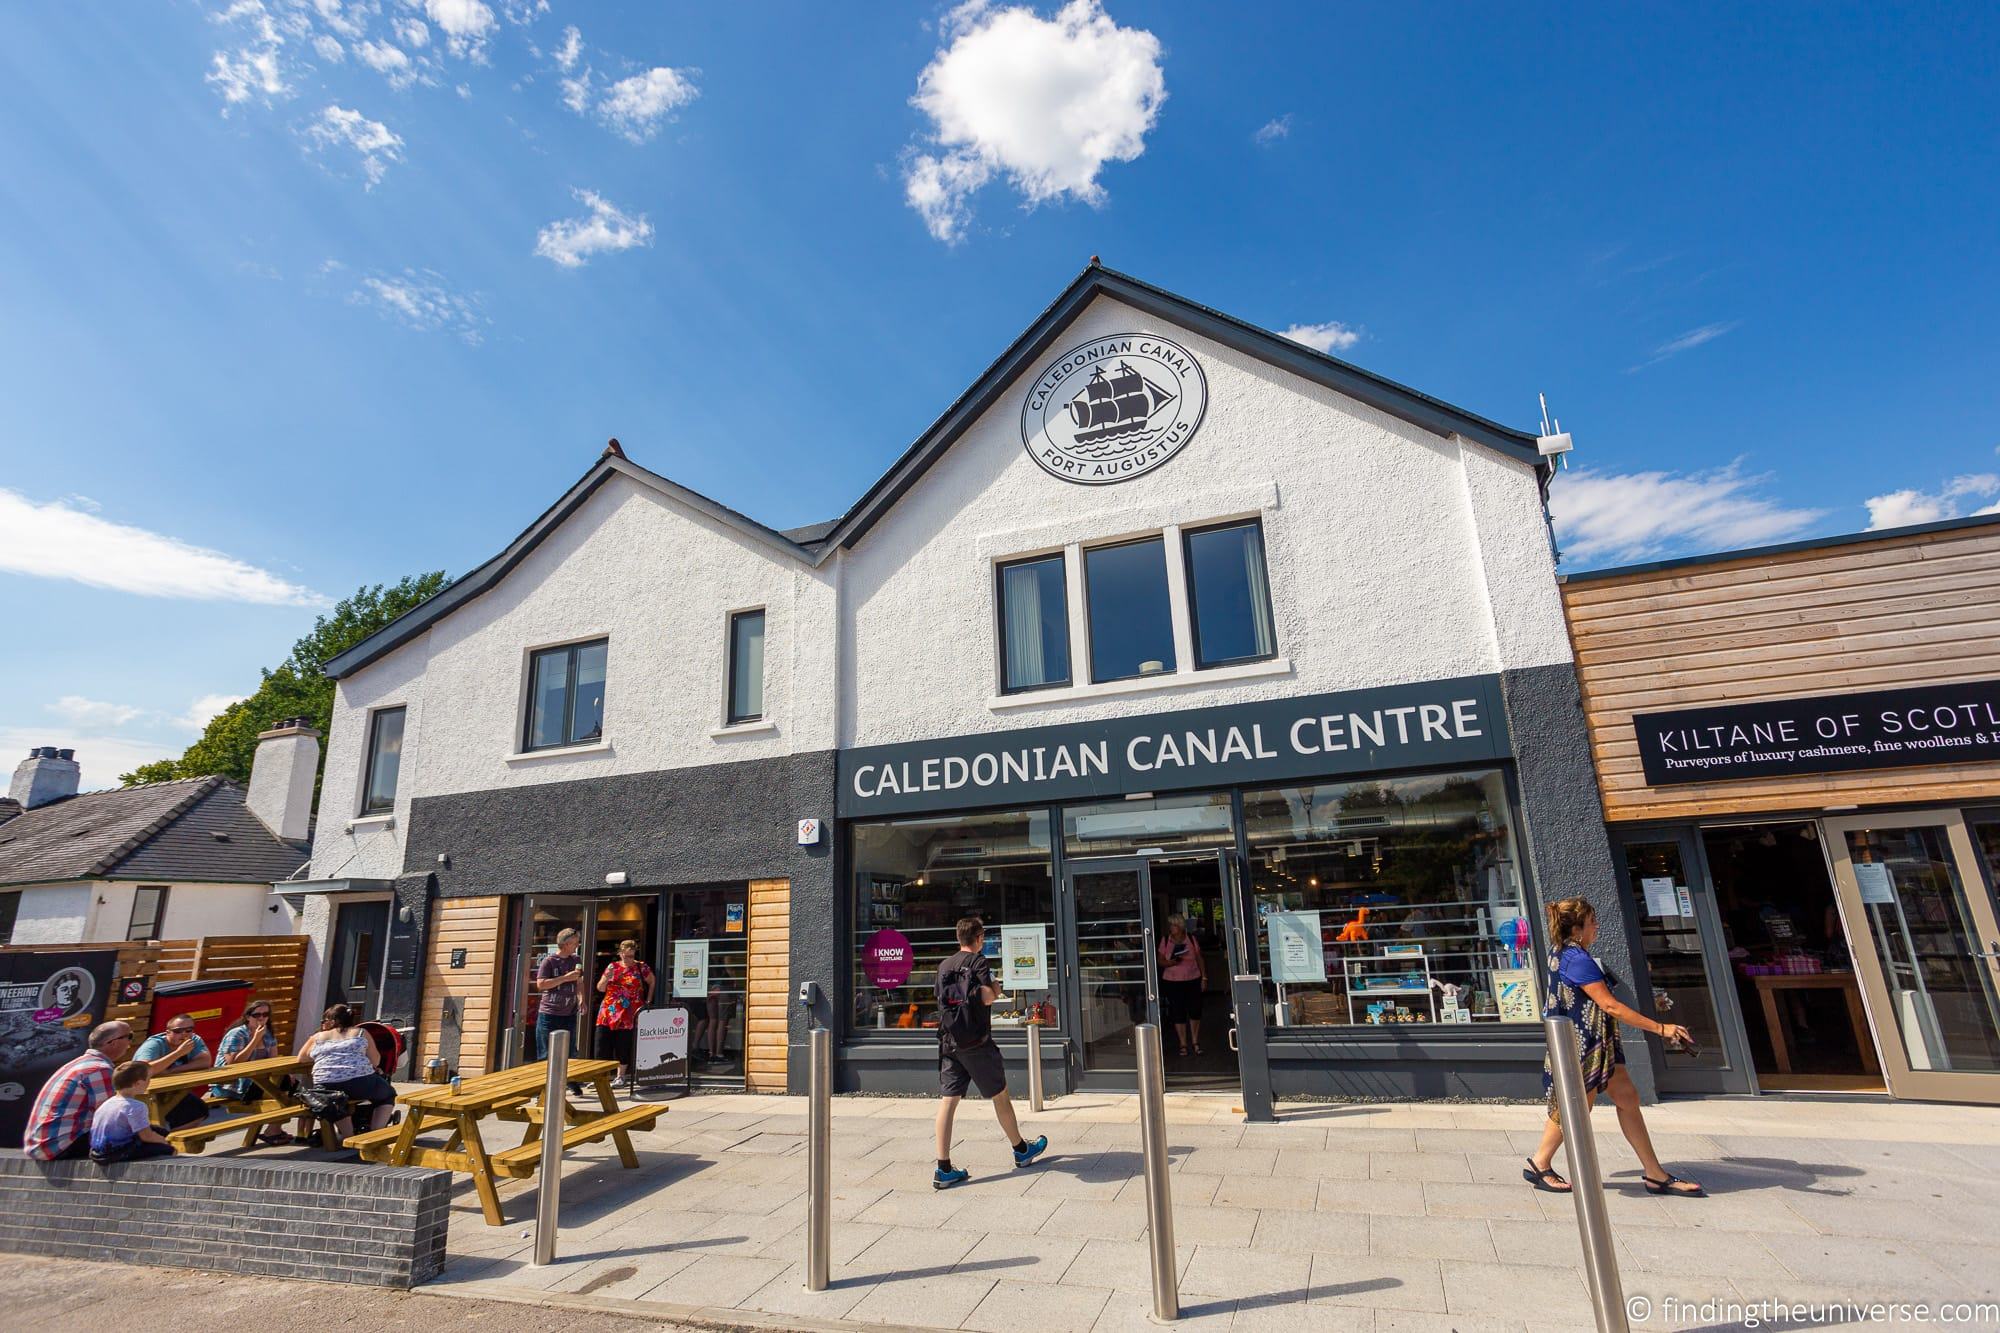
[345, 1059]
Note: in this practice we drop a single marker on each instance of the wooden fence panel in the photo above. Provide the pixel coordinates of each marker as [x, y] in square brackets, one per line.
[274, 965]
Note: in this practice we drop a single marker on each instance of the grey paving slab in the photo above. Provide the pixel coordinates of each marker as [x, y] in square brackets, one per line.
[844, 1243]
[910, 1208]
[716, 1280]
[1203, 1224]
[1015, 1258]
[1862, 1263]
[1289, 1137]
[1952, 1220]
[1371, 1140]
[1431, 1238]
[1464, 1140]
[1124, 1265]
[1418, 1166]
[1516, 1291]
[1691, 1250]
[1093, 1219]
[1285, 1232]
[1378, 1283]
[1011, 1306]
[1186, 1188]
[1002, 1213]
[1128, 1312]
[1551, 1244]
[908, 1253]
[1279, 1191]
[1323, 1163]
[1220, 1271]
[625, 1276]
[1231, 1162]
[934, 1302]
[1285, 1314]
[1371, 1196]
[1974, 1269]
[786, 1295]
[1416, 1321]
[1444, 1198]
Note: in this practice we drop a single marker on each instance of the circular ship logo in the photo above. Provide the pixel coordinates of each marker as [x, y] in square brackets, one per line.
[1113, 409]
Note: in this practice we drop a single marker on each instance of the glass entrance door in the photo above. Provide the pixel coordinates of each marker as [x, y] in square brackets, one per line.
[1114, 962]
[543, 917]
[1927, 946]
[1674, 910]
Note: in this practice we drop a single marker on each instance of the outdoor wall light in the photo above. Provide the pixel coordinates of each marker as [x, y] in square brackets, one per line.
[617, 878]
[405, 915]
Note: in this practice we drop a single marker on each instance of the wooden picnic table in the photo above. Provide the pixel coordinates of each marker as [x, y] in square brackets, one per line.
[511, 1094]
[275, 1104]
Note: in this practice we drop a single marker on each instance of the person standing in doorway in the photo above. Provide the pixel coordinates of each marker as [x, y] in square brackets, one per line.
[967, 1055]
[1580, 990]
[627, 987]
[1183, 978]
[556, 981]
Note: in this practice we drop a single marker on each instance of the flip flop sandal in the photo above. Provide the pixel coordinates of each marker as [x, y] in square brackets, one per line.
[1667, 1187]
[1540, 1179]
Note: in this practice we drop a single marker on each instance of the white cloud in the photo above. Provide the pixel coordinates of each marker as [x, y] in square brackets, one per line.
[1603, 517]
[1273, 130]
[347, 20]
[58, 541]
[524, 11]
[79, 712]
[101, 757]
[391, 62]
[200, 712]
[412, 33]
[466, 24]
[373, 141]
[330, 50]
[1691, 339]
[1044, 102]
[570, 242]
[571, 48]
[1332, 336]
[1901, 508]
[420, 299]
[635, 107]
[254, 69]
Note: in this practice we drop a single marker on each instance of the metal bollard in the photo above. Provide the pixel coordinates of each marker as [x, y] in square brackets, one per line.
[1034, 1066]
[1586, 1179]
[554, 1091]
[819, 1158]
[1159, 1201]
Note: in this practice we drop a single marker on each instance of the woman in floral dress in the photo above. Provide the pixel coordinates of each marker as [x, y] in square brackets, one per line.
[1580, 990]
[627, 987]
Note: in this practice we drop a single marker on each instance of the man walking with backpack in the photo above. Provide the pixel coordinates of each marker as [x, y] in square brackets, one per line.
[967, 1055]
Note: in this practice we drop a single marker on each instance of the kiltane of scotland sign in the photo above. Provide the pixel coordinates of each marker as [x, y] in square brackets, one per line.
[1113, 409]
[1930, 724]
[1435, 724]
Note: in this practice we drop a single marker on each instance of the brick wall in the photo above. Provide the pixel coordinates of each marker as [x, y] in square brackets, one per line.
[376, 1225]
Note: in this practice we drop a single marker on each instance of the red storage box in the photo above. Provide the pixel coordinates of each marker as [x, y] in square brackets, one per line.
[215, 1006]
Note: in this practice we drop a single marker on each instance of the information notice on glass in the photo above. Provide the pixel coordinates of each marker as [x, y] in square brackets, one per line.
[1296, 955]
[1872, 877]
[1660, 899]
[690, 969]
[1024, 957]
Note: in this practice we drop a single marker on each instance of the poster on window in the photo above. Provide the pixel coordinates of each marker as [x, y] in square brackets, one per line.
[690, 969]
[1024, 957]
[1514, 994]
[49, 1002]
[660, 1045]
[1296, 956]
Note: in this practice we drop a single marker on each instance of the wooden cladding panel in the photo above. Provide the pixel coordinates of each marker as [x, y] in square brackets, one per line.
[474, 925]
[1913, 610]
[767, 998]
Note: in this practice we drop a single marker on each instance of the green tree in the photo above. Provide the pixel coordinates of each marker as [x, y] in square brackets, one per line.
[294, 688]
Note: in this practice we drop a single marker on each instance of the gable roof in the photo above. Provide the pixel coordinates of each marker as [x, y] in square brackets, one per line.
[815, 543]
[163, 830]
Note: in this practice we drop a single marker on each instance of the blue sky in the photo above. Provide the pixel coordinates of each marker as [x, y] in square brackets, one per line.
[300, 295]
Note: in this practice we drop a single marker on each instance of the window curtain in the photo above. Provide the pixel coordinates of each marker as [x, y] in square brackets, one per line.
[1022, 590]
[1258, 589]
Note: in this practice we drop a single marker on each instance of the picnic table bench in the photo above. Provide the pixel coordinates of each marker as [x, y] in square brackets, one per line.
[276, 1104]
[511, 1095]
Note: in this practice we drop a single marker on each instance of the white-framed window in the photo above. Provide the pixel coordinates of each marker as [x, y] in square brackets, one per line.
[1229, 594]
[746, 667]
[385, 760]
[565, 695]
[1033, 596]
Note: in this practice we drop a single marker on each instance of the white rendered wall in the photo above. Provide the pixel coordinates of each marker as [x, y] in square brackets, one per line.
[659, 580]
[1395, 556]
[55, 914]
[101, 910]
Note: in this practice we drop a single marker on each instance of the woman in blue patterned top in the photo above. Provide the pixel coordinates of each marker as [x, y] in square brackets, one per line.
[1580, 990]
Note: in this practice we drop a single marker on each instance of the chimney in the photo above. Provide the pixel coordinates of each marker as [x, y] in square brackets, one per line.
[9, 807]
[281, 778]
[47, 774]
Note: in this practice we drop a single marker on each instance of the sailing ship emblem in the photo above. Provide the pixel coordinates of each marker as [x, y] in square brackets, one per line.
[1113, 409]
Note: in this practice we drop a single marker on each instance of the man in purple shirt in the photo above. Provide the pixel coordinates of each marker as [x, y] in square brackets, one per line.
[556, 978]
[59, 1126]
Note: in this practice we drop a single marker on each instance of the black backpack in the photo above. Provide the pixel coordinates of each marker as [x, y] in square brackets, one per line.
[958, 1002]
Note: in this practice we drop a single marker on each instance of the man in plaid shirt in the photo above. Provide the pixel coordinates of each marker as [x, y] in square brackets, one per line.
[59, 1126]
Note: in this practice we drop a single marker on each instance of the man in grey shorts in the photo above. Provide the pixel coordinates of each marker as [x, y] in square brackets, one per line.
[967, 1054]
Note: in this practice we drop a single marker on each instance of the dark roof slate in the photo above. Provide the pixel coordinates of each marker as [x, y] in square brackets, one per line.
[162, 830]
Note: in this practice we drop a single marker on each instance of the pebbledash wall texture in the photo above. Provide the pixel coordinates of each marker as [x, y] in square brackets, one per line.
[1405, 543]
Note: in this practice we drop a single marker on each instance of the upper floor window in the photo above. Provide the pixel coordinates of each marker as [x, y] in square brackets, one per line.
[385, 761]
[1131, 611]
[1034, 624]
[149, 906]
[1230, 595]
[566, 695]
[746, 667]
[10, 907]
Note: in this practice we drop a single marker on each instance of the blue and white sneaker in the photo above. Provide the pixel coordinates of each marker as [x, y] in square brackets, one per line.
[942, 1179]
[1032, 1149]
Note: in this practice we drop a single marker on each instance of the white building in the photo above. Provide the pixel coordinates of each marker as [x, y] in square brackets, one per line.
[1166, 617]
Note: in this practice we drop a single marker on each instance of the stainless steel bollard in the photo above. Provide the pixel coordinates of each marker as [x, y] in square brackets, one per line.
[1159, 1200]
[819, 1158]
[554, 1097]
[1034, 1066]
[1586, 1179]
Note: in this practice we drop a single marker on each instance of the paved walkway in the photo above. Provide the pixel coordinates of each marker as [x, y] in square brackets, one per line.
[1387, 1218]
